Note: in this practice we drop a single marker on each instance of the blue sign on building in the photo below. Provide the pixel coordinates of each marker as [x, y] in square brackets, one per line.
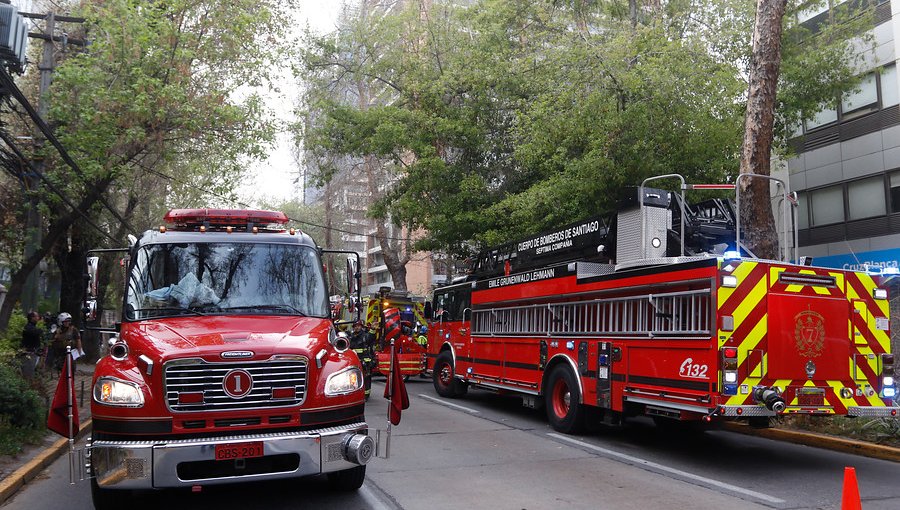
[874, 261]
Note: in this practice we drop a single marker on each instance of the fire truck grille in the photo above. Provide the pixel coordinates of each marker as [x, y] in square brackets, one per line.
[199, 385]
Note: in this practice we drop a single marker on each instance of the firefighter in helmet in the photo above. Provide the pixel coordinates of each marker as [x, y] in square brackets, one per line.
[361, 341]
[422, 339]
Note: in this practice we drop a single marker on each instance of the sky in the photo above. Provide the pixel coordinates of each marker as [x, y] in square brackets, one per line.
[271, 179]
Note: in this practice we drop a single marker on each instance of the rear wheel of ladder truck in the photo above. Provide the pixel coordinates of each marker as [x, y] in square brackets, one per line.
[444, 376]
[562, 397]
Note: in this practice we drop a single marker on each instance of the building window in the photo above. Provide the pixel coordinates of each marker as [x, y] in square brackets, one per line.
[895, 192]
[812, 12]
[865, 95]
[827, 205]
[825, 116]
[873, 92]
[865, 198]
[803, 211]
[890, 95]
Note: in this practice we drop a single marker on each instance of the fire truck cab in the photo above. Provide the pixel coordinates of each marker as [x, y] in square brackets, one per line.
[605, 319]
[226, 365]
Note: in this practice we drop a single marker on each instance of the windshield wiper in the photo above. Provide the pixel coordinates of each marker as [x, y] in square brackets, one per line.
[168, 309]
[293, 310]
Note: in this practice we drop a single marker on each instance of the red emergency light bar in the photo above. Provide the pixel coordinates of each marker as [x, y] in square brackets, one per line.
[190, 218]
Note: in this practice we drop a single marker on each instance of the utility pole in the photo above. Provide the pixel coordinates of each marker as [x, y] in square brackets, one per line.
[34, 222]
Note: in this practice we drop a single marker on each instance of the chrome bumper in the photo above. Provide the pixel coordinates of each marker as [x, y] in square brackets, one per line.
[882, 412]
[746, 411]
[189, 462]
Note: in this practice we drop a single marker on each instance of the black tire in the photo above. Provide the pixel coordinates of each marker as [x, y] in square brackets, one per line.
[760, 422]
[109, 499]
[347, 480]
[444, 377]
[562, 397]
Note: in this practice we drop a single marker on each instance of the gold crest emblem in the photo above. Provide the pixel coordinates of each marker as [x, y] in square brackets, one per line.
[809, 334]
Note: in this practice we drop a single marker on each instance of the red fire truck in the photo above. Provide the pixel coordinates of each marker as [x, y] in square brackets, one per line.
[227, 366]
[396, 316]
[622, 322]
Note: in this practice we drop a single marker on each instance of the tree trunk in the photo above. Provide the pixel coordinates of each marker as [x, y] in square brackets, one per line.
[57, 230]
[395, 257]
[756, 209]
[71, 269]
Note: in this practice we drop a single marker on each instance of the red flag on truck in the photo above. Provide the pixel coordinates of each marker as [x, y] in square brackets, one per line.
[396, 390]
[58, 420]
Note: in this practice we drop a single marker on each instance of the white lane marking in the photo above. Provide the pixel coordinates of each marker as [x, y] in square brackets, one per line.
[682, 474]
[443, 403]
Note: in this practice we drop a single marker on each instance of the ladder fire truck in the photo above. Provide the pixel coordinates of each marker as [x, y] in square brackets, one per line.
[226, 365]
[602, 320]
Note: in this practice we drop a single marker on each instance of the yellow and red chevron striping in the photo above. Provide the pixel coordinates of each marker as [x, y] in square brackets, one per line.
[749, 274]
[747, 304]
[391, 324]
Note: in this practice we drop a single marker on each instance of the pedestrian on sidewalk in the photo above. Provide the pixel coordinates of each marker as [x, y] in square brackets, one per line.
[31, 344]
[67, 335]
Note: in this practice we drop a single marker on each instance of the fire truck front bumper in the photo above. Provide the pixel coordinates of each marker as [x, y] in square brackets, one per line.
[222, 460]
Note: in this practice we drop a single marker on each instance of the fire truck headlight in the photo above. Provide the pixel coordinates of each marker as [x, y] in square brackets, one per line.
[730, 377]
[880, 294]
[115, 392]
[346, 381]
[888, 381]
[890, 392]
[729, 281]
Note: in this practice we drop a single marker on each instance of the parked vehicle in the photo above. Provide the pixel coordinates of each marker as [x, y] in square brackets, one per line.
[227, 366]
[601, 320]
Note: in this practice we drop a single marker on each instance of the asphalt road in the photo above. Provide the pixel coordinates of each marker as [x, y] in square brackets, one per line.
[486, 451]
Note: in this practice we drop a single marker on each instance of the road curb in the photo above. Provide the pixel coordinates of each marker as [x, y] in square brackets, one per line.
[18, 478]
[839, 444]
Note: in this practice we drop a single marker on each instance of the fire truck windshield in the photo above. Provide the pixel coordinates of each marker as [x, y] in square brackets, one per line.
[225, 278]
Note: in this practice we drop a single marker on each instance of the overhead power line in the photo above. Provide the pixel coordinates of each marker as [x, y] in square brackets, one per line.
[9, 84]
[10, 143]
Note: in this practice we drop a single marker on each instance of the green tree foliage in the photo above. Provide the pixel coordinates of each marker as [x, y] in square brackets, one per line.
[506, 117]
[167, 88]
[160, 110]
[22, 411]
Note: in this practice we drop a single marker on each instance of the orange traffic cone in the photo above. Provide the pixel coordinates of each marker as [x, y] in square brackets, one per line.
[850, 498]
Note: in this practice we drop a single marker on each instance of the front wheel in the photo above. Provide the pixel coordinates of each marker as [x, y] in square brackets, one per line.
[108, 499]
[347, 480]
[562, 401]
[444, 376]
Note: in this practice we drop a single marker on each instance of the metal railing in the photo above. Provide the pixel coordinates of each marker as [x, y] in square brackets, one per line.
[685, 314]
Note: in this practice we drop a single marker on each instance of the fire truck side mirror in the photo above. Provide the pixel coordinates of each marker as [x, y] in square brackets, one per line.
[352, 276]
[93, 268]
[90, 310]
[428, 311]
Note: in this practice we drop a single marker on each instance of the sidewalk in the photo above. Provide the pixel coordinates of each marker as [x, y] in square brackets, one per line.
[18, 470]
